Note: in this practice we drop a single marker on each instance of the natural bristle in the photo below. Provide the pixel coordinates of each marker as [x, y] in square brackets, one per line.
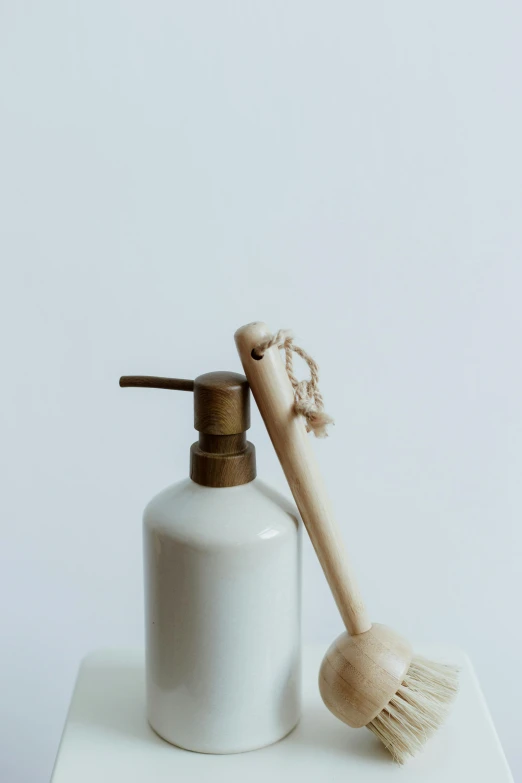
[418, 708]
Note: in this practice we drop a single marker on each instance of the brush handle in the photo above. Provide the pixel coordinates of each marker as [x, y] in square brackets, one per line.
[274, 396]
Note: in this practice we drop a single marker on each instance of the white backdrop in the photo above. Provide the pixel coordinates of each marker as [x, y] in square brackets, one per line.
[170, 171]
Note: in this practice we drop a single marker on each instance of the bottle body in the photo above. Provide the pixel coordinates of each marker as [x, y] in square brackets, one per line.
[222, 613]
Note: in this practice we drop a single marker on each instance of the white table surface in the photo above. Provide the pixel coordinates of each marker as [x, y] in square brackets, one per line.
[107, 739]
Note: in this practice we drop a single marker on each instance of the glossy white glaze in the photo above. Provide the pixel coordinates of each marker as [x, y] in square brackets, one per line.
[222, 606]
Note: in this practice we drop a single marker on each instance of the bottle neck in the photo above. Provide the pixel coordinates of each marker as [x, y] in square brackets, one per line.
[222, 460]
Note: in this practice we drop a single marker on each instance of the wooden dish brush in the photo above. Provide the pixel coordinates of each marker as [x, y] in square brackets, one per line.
[369, 675]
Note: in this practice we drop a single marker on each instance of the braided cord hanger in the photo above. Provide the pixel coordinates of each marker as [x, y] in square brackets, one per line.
[308, 400]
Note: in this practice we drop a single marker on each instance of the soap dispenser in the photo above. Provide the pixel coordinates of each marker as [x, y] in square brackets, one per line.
[222, 586]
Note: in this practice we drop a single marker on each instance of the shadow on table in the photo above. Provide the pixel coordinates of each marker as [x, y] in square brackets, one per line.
[112, 697]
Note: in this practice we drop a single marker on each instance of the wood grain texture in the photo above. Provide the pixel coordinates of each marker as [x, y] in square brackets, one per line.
[156, 382]
[274, 395]
[220, 468]
[360, 674]
[221, 403]
[222, 457]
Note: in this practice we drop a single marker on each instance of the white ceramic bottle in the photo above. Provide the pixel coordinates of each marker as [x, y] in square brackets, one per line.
[222, 588]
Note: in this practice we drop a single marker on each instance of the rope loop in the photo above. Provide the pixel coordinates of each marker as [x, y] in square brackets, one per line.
[308, 400]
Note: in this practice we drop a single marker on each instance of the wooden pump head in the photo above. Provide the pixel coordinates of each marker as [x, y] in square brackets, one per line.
[222, 457]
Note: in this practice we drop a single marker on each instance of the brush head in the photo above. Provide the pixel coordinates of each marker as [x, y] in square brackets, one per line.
[373, 680]
[360, 674]
[418, 709]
